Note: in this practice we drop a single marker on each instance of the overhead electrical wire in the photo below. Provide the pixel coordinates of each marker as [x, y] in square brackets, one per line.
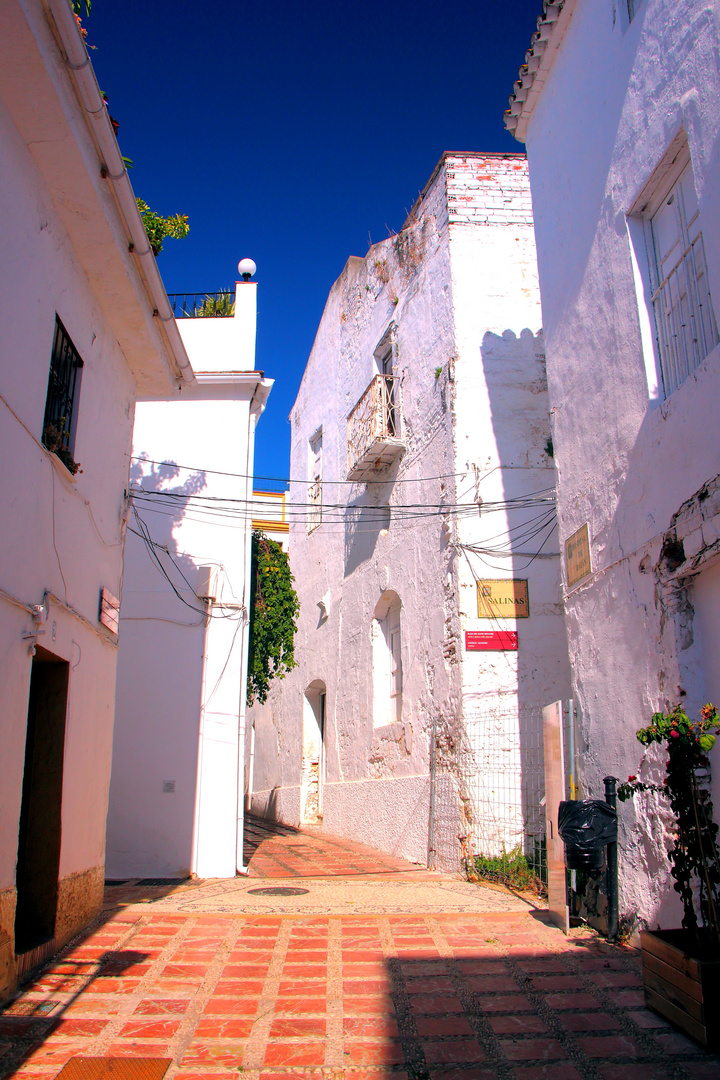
[153, 549]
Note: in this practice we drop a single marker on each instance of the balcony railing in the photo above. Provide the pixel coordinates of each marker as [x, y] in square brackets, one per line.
[375, 429]
[215, 305]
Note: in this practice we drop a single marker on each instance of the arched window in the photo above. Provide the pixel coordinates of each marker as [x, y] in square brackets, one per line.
[387, 660]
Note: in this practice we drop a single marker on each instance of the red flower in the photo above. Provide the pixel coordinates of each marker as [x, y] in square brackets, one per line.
[675, 734]
[632, 777]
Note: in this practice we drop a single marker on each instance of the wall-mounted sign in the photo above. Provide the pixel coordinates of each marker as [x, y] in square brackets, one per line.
[491, 640]
[502, 598]
[577, 556]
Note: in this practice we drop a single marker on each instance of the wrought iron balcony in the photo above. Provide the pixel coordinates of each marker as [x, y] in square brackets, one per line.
[215, 305]
[374, 429]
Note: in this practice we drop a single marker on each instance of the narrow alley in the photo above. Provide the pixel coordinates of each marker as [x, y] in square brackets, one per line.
[331, 960]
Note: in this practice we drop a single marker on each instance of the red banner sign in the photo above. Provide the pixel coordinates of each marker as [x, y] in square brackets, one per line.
[491, 640]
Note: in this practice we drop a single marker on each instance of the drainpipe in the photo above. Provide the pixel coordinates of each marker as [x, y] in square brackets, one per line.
[251, 771]
[113, 170]
[247, 546]
[612, 865]
[201, 729]
[431, 824]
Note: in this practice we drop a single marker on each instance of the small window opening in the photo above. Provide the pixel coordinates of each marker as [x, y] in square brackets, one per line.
[315, 485]
[60, 419]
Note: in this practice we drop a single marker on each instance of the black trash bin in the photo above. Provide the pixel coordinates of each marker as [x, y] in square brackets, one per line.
[586, 827]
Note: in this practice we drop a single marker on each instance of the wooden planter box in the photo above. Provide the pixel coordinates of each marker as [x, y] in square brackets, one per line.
[680, 987]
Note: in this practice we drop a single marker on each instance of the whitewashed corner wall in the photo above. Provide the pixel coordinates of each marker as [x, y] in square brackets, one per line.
[639, 470]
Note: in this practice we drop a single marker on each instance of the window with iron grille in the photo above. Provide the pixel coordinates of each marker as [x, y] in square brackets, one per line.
[62, 397]
[684, 318]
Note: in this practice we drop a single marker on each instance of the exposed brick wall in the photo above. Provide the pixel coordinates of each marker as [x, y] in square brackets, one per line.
[476, 189]
[491, 189]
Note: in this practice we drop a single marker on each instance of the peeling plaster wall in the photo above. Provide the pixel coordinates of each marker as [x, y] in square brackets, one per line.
[459, 285]
[636, 468]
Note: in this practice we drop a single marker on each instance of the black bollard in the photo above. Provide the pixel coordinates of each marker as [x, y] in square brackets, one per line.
[612, 864]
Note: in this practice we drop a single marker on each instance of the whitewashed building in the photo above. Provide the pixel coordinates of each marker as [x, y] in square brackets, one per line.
[84, 327]
[618, 104]
[180, 706]
[421, 525]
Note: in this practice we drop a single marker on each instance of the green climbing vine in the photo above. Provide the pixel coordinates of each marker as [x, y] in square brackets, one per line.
[274, 608]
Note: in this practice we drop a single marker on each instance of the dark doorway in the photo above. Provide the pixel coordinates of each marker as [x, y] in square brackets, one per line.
[40, 813]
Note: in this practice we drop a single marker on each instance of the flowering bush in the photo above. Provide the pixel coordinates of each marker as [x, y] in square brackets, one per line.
[694, 856]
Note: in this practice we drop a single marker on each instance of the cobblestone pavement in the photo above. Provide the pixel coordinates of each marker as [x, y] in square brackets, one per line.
[397, 993]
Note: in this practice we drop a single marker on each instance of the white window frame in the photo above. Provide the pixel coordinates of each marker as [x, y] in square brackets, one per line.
[315, 485]
[676, 337]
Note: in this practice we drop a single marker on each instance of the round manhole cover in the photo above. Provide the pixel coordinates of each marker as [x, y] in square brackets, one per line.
[279, 890]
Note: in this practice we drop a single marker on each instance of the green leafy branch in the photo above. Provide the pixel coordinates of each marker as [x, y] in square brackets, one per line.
[694, 856]
[274, 608]
[159, 228]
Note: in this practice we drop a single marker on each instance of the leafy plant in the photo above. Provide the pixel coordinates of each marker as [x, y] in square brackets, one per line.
[694, 856]
[274, 608]
[56, 439]
[512, 868]
[438, 372]
[215, 305]
[159, 228]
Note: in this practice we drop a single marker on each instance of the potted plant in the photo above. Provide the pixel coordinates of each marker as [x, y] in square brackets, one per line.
[681, 968]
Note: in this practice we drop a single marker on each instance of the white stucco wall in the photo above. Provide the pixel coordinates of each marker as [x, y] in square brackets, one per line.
[614, 99]
[174, 805]
[227, 344]
[453, 282]
[61, 535]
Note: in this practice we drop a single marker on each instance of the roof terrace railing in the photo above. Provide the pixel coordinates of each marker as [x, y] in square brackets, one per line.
[215, 305]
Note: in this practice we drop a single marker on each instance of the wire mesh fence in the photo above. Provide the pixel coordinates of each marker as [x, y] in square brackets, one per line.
[502, 783]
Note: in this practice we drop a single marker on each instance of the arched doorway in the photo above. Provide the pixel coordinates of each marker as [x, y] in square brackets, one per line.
[313, 764]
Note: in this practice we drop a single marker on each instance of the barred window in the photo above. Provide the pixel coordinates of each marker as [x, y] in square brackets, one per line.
[59, 423]
[684, 318]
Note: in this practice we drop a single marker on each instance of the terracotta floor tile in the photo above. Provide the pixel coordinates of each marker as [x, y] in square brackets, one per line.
[608, 1046]
[228, 1028]
[307, 1053]
[370, 1027]
[453, 1052]
[530, 1049]
[361, 1006]
[373, 1052]
[435, 1003]
[149, 1029]
[231, 1006]
[291, 1006]
[159, 1006]
[301, 1027]
[225, 1054]
[442, 1025]
[131, 1048]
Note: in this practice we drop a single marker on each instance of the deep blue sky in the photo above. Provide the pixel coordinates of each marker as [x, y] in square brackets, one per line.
[294, 133]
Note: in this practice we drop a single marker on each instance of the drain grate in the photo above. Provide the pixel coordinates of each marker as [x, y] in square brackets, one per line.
[149, 882]
[279, 890]
[119, 1068]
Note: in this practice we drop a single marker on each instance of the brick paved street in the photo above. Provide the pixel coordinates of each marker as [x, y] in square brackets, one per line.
[440, 996]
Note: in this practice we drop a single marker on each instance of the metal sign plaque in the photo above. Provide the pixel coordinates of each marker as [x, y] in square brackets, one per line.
[502, 598]
[491, 640]
[577, 556]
